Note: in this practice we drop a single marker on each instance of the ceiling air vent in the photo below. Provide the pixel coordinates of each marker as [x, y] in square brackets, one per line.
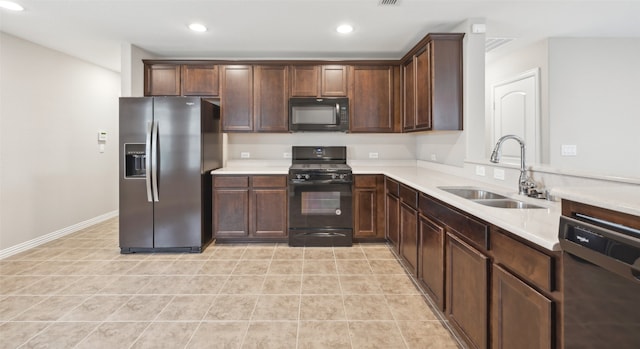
[388, 2]
[491, 44]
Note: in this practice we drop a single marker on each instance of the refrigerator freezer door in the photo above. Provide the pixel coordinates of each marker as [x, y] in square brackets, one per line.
[178, 214]
[136, 213]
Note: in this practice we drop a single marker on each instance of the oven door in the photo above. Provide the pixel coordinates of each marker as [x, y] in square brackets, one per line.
[320, 206]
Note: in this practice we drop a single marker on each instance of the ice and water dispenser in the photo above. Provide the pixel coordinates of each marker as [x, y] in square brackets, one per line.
[135, 160]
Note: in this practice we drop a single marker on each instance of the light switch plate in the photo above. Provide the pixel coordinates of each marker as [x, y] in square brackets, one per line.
[373, 155]
[480, 170]
[245, 155]
[498, 173]
[569, 150]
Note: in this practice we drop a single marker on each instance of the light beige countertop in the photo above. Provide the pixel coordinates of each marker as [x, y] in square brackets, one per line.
[540, 226]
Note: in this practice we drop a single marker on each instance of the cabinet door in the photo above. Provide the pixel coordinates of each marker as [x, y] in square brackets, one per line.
[368, 206]
[372, 99]
[393, 220]
[334, 81]
[467, 293]
[162, 80]
[269, 212]
[422, 90]
[305, 81]
[271, 98]
[446, 79]
[200, 80]
[408, 96]
[236, 102]
[231, 213]
[409, 235]
[521, 316]
[431, 259]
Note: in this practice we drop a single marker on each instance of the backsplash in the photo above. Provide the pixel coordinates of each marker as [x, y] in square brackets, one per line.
[273, 146]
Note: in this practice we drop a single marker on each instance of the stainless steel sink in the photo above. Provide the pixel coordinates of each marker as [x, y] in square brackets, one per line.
[487, 198]
[506, 203]
[472, 193]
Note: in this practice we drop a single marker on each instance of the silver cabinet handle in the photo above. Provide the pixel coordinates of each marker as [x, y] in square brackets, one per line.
[154, 162]
[147, 157]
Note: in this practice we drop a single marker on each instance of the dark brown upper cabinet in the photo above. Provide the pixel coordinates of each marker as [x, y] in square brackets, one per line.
[373, 98]
[271, 98]
[200, 80]
[236, 98]
[162, 79]
[176, 79]
[318, 81]
[432, 84]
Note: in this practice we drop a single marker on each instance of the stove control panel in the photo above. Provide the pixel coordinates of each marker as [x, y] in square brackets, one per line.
[320, 177]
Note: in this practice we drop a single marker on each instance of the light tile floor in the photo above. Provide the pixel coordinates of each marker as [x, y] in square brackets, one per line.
[80, 292]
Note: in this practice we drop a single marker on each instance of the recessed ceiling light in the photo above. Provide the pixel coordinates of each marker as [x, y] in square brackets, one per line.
[344, 29]
[10, 5]
[197, 27]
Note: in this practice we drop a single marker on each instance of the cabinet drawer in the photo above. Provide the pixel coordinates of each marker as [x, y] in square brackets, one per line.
[409, 196]
[392, 187]
[269, 181]
[523, 260]
[475, 231]
[230, 181]
[365, 181]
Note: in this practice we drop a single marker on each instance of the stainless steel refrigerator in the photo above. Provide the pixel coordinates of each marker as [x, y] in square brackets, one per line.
[168, 147]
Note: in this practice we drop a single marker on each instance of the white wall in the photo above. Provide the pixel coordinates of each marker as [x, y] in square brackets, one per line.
[594, 103]
[51, 108]
[271, 146]
[452, 147]
[132, 73]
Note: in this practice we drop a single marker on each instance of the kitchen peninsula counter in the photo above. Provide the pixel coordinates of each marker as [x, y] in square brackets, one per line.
[539, 226]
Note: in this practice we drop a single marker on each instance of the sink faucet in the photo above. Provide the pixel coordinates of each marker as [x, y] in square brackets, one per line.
[526, 186]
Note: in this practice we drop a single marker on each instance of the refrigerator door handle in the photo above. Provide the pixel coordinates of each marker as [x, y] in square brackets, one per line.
[147, 161]
[154, 162]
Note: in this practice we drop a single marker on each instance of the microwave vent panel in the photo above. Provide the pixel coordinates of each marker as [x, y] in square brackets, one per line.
[388, 2]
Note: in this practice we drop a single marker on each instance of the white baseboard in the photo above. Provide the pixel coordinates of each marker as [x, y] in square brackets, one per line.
[55, 235]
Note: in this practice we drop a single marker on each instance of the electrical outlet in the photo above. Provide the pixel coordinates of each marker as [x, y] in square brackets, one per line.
[245, 155]
[286, 155]
[569, 150]
[373, 155]
[434, 157]
[498, 173]
[480, 170]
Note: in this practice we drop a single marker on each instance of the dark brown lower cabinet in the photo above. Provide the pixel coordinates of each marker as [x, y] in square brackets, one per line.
[409, 226]
[270, 215]
[431, 259]
[368, 204]
[467, 291]
[392, 213]
[522, 317]
[250, 208]
[409, 235]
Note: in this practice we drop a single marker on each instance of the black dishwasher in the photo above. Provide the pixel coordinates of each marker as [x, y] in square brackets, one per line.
[601, 276]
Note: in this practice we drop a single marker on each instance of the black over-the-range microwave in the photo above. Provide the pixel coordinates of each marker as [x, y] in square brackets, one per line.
[318, 114]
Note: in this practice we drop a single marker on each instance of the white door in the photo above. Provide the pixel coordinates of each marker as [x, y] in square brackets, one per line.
[516, 110]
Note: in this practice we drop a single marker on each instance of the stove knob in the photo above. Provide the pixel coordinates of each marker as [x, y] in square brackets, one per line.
[342, 176]
[298, 176]
[306, 176]
[334, 176]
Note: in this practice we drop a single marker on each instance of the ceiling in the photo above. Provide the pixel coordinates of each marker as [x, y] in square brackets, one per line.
[299, 29]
